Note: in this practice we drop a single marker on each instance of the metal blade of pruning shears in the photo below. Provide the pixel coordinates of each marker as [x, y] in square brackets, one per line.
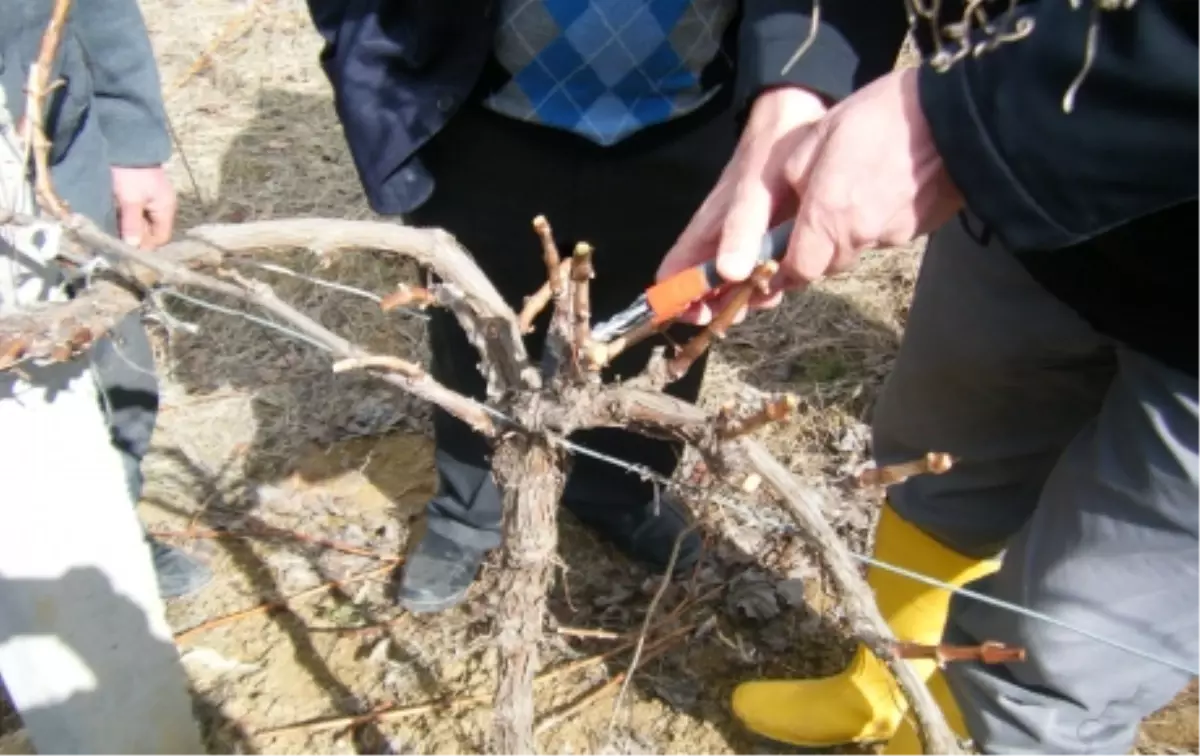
[667, 300]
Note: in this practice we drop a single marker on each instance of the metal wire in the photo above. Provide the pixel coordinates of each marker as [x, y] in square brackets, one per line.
[652, 475]
[659, 479]
[285, 271]
[252, 318]
[333, 285]
[1030, 613]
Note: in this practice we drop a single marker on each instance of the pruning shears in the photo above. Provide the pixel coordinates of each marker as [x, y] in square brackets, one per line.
[668, 299]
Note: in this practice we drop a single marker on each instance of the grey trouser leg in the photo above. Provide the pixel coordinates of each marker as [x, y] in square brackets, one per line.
[1078, 460]
[123, 362]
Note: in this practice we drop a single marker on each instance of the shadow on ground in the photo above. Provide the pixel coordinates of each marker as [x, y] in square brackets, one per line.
[256, 432]
[56, 717]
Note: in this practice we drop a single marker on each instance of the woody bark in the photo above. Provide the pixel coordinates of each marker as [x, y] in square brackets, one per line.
[530, 474]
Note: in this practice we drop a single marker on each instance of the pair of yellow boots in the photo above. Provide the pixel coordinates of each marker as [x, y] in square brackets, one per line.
[862, 704]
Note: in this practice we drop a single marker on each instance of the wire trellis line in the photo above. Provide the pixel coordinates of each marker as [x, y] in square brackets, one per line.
[1018, 609]
[661, 480]
[658, 479]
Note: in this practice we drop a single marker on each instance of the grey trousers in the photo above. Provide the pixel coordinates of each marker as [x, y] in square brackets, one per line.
[1078, 461]
[123, 360]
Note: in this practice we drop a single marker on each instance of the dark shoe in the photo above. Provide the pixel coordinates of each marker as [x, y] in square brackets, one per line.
[645, 536]
[178, 574]
[437, 574]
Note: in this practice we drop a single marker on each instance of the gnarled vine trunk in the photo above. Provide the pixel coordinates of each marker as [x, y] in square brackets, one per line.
[530, 474]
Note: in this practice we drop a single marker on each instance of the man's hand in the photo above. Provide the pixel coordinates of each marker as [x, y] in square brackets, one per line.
[146, 205]
[866, 175]
[752, 192]
[871, 176]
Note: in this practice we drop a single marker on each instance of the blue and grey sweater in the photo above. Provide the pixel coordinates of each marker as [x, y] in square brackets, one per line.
[605, 69]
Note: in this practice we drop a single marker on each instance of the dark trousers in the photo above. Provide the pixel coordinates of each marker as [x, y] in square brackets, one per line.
[125, 375]
[630, 202]
[123, 360]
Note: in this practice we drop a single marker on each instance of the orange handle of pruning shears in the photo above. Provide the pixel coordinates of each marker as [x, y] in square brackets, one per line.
[672, 297]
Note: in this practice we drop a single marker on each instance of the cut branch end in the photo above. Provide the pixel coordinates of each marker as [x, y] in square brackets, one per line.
[408, 296]
[606, 353]
[12, 351]
[720, 325]
[933, 463]
[989, 652]
[771, 411]
[582, 272]
[558, 272]
[550, 253]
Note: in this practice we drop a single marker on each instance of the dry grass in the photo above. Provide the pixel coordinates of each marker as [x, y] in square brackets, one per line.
[256, 430]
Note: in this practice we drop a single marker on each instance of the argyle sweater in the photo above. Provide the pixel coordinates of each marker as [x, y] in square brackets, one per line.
[605, 69]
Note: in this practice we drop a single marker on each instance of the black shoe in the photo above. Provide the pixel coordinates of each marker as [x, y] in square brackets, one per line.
[645, 536]
[437, 574]
[178, 574]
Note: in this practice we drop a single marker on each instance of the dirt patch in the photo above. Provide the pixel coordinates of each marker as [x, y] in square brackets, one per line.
[349, 650]
[1174, 729]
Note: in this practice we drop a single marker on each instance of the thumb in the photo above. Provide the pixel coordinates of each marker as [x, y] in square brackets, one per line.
[693, 247]
[741, 235]
[131, 223]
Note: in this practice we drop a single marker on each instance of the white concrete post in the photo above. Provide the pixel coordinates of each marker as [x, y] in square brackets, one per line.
[85, 651]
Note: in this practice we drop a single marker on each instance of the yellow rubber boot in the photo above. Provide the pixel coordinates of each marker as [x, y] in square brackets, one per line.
[862, 704]
[906, 741]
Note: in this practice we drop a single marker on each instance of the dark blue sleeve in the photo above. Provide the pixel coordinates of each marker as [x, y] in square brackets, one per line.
[1043, 178]
[855, 43]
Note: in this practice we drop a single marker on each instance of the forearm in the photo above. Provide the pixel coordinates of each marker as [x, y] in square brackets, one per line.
[855, 42]
[1044, 178]
[128, 95]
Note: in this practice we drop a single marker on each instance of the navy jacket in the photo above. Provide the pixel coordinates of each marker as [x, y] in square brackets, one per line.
[1100, 203]
[401, 68]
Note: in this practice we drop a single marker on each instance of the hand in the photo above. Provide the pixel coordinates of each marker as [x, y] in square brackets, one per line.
[869, 176]
[866, 175]
[751, 193]
[146, 205]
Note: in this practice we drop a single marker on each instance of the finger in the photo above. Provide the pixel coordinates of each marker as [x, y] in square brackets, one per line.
[158, 226]
[766, 301]
[685, 254]
[696, 245]
[741, 234]
[782, 281]
[811, 249]
[699, 314]
[131, 222]
[161, 216]
[740, 316]
[769, 295]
